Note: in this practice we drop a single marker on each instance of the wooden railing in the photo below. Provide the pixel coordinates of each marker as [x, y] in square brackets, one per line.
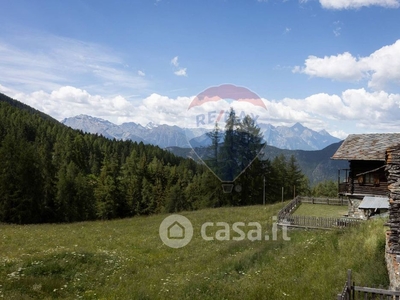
[289, 208]
[344, 188]
[324, 200]
[350, 291]
[320, 222]
[286, 217]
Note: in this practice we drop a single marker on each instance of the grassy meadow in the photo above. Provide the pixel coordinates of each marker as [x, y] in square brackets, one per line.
[321, 210]
[125, 259]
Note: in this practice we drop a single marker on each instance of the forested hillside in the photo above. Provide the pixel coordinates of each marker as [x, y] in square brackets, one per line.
[317, 165]
[52, 173]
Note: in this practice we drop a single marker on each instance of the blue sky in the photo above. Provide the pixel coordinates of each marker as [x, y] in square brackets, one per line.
[328, 64]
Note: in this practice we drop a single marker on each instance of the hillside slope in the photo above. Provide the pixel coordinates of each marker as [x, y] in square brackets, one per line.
[52, 173]
[126, 259]
[316, 165]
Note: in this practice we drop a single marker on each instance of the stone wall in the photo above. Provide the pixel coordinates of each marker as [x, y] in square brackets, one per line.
[354, 211]
[393, 176]
[392, 267]
[392, 248]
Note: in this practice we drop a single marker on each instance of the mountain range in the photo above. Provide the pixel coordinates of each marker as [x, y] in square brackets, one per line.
[296, 137]
[311, 149]
[315, 164]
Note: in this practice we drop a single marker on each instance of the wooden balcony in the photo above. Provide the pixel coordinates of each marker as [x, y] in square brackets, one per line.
[344, 188]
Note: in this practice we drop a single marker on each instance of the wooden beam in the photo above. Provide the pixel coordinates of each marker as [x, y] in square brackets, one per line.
[371, 171]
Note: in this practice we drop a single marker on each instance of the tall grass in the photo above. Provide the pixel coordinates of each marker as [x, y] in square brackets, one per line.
[125, 259]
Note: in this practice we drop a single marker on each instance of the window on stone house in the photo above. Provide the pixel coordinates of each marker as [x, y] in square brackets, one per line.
[371, 178]
[368, 178]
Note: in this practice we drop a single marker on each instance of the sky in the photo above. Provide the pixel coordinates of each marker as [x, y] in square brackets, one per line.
[328, 64]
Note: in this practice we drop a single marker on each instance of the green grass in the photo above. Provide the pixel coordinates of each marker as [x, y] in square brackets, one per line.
[125, 259]
[321, 210]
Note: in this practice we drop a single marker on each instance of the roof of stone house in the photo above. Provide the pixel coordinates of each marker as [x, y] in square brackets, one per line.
[370, 146]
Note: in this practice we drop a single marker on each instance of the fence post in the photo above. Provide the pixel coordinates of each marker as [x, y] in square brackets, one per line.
[349, 284]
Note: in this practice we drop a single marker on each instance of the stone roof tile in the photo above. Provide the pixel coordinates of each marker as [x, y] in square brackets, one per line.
[371, 146]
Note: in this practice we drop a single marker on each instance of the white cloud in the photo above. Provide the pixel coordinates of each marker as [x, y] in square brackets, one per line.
[181, 72]
[337, 28]
[45, 62]
[174, 61]
[376, 111]
[69, 101]
[354, 4]
[352, 110]
[141, 73]
[282, 114]
[340, 67]
[384, 65]
[380, 68]
[178, 71]
[339, 134]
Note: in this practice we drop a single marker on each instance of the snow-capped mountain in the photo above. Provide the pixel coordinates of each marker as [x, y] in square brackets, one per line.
[130, 131]
[292, 138]
[297, 137]
[160, 135]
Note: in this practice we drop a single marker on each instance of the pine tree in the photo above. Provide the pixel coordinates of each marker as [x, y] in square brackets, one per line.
[211, 156]
[131, 183]
[175, 200]
[146, 197]
[250, 142]
[110, 203]
[279, 174]
[296, 182]
[229, 168]
[293, 176]
[65, 203]
[48, 175]
[21, 186]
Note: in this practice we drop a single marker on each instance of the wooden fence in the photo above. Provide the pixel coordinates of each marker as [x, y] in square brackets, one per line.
[352, 292]
[323, 200]
[286, 217]
[319, 222]
[289, 208]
